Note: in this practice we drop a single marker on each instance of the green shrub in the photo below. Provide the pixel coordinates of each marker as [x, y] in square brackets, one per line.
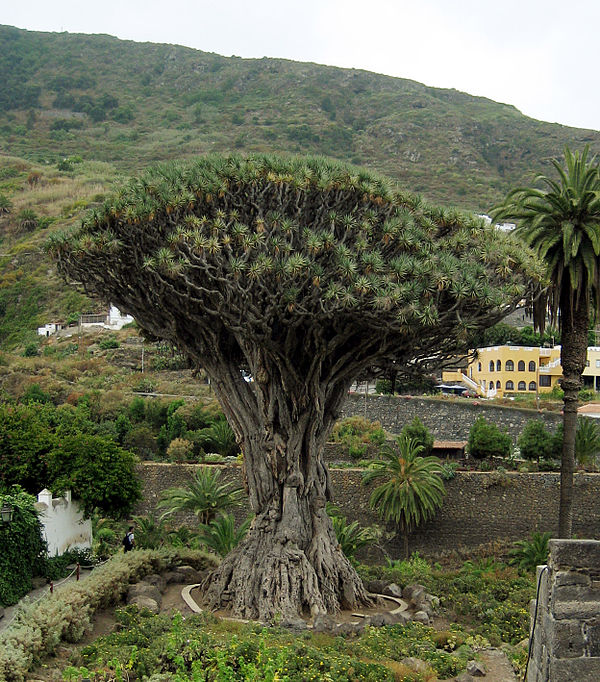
[535, 441]
[31, 350]
[23, 548]
[527, 554]
[486, 440]
[107, 344]
[420, 434]
[27, 219]
[383, 386]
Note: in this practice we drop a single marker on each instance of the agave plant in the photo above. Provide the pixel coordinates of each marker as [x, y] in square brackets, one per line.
[205, 496]
[218, 437]
[527, 554]
[221, 535]
[149, 532]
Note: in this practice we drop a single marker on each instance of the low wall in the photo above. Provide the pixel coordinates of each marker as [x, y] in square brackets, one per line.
[447, 419]
[566, 622]
[479, 506]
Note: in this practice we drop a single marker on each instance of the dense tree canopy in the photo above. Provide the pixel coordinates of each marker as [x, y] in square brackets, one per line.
[303, 273]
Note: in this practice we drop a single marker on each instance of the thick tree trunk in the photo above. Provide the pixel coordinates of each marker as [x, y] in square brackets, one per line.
[290, 563]
[574, 326]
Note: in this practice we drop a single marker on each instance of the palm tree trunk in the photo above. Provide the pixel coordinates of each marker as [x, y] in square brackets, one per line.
[574, 325]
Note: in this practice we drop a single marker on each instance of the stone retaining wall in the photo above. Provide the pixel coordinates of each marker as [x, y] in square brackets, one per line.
[566, 623]
[447, 419]
[479, 506]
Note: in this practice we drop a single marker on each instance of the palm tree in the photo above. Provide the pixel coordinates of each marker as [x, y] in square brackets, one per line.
[587, 441]
[220, 534]
[351, 536]
[205, 496]
[414, 489]
[561, 222]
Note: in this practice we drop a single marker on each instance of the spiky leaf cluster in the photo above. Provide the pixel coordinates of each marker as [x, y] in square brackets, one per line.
[260, 245]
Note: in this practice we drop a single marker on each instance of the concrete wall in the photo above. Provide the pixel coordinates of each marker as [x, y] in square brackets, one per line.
[479, 506]
[566, 623]
[63, 524]
[447, 419]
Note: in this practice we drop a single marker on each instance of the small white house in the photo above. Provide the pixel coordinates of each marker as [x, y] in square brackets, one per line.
[50, 328]
[116, 319]
[63, 524]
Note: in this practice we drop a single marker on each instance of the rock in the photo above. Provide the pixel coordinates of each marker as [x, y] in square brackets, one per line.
[376, 586]
[413, 593]
[400, 617]
[173, 577]
[378, 620]
[1, 612]
[416, 664]
[191, 575]
[143, 590]
[421, 617]
[392, 590]
[475, 669]
[143, 602]
[293, 624]
[323, 623]
[426, 607]
[350, 628]
[157, 580]
[464, 677]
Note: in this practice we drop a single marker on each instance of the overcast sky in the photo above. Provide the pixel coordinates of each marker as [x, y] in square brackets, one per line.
[539, 55]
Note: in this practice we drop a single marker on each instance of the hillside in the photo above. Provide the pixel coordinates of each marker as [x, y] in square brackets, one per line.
[77, 112]
[134, 103]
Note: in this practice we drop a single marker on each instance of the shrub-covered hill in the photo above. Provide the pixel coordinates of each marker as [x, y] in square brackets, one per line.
[134, 103]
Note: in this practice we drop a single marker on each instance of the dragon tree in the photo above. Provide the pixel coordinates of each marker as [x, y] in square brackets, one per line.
[304, 273]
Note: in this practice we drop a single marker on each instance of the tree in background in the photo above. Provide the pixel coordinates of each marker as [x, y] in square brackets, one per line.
[535, 441]
[303, 273]
[561, 222]
[414, 489]
[221, 535]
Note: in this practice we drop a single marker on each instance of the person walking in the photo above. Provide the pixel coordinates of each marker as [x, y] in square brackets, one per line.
[129, 540]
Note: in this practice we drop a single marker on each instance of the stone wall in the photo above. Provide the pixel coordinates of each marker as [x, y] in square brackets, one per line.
[479, 506]
[447, 419]
[566, 622]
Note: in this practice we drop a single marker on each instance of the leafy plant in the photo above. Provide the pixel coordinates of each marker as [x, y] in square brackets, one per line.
[535, 441]
[420, 434]
[27, 219]
[486, 440]
[527, 554]
[205, 496]
[414, 489]
[587, 440]
[218, 437]
[351, 536]
[5, 204]
[221, 535]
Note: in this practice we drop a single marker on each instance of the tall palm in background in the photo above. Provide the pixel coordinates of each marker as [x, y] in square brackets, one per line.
[561, 222]
[414, 488]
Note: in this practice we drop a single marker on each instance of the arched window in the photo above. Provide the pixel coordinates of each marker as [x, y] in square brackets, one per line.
[498, 366]
[532, 365]
[498, 386]
[509, 366]
[532, 386]
[510, 386]
[521, 365]
[522, 386]
[491, 365]
[479, 367]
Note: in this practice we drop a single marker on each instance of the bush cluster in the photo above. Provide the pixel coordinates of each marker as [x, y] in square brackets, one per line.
[40, 627]
[357, 433]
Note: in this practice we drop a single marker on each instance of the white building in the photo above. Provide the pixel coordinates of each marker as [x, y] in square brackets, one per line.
[50, 328]
[63, 524]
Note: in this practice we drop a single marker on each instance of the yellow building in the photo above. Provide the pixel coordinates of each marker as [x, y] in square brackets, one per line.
[509, 370]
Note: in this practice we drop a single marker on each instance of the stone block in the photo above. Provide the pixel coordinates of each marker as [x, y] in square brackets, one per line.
[576, 593]
[575, 610]
[157, 580]
[565, 639]
[574, 554]
[143, 590]
[563, 578]
[574, 670]
[147, 603]
[413, 593]
[475, 669]
[591, 633]
[421, 617]
[392, 590]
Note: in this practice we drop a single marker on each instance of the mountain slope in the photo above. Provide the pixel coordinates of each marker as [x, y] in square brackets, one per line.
[135, 103]
[79, 111]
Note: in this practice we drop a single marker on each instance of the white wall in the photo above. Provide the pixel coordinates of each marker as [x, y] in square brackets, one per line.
[63, 524]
